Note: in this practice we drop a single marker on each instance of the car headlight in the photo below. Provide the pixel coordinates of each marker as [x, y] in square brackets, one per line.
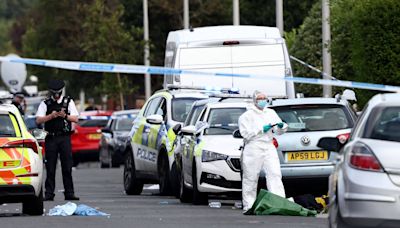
[208, 156]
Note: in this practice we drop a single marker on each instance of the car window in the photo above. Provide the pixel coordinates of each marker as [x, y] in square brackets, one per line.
[194, 115]
[123, 124]
[384, 124]
[6, 126]
[315, 117]
[152, 106]
[223, 121]
[181, 108]
[162, 108]
[93, 123]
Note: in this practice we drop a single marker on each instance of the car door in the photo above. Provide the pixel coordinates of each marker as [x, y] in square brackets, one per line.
[140, 140]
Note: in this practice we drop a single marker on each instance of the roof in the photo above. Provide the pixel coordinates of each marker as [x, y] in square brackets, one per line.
[182, 93]
[314, 100]
[8, 108]
[96, 113]
[228, 105]
[385, 98]
[227, 32]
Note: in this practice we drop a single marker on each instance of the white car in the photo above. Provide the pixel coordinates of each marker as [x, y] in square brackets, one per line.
[207, 154]
[364, 189]
[21, 162]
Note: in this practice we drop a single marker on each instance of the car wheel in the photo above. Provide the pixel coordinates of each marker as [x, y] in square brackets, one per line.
[163, 174]
[132, 185]
[174, 177]
[199, 198]
[34, 205]
[335, 218]
[185, 194]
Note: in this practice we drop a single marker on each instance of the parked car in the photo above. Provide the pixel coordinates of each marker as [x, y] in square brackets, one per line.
[305, 166]
[86, 135]
[150, 157]
[207, 156]
[21, 163]
[364, 189]
[114, 138]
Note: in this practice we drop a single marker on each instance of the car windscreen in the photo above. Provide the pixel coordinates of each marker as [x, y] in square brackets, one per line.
[383, 124]
[6, 126]
[181, 108]
[93, 123]
[319, 117]
[223, 121]
[124, 124]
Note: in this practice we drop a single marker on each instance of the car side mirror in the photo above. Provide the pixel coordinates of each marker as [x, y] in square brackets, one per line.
[188, 130]
[39, 134]
[330, 144]
[154, 119]
[236, 134]
[177, 128]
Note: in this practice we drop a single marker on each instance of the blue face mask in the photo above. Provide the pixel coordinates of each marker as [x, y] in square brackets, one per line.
[262, 103]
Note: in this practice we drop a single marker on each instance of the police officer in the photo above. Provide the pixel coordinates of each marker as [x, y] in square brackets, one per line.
[19, 102]
[57, 112]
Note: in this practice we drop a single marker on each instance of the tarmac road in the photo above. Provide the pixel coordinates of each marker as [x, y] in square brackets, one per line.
[103, 190]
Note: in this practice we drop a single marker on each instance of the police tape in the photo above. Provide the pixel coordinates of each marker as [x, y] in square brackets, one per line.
[128, 116]
[153, 70]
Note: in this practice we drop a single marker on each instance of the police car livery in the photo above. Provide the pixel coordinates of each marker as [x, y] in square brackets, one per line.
[21, 162]
[149, 156]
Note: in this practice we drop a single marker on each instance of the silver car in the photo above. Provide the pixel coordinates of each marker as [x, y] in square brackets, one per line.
[305, 166]
[364, 189]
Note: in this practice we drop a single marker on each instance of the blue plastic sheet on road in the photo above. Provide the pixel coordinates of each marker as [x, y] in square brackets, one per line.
[69, 209]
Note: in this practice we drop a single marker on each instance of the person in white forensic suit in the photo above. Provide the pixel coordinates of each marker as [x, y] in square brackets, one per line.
[257, 126]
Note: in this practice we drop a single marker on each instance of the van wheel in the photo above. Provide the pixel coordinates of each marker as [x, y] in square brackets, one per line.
[34, 205]
[185, 194]
[163, 174]
[199, 198]
[132, 185]
[175, 182]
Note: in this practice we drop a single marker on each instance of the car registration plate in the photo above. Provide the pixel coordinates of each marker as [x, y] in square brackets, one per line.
[307, 156]
[94, 136]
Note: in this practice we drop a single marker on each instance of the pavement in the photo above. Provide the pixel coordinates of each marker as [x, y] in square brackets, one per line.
[103, 190]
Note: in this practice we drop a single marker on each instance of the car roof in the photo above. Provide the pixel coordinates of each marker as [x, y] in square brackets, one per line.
[385, 98]
[312, 100]
[182, 93]
[5, 108]
[96, 113]
[126, 112]
[228, 104]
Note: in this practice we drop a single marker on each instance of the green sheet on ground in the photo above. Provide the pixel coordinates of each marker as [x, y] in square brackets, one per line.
[268, 203]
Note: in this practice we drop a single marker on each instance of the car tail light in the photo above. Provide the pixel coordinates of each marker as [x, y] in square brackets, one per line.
[343, 137]
[231, 42]
[361, 157]
[27, 143]
[275, 142]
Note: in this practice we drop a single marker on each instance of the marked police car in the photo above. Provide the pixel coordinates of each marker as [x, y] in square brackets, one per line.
[208, 156]
[149, 156]
[21, 162]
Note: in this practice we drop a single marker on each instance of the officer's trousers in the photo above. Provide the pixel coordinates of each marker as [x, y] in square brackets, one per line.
[56, 145]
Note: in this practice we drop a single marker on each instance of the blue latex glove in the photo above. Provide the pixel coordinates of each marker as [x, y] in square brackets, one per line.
[267, 127]
[280, 125]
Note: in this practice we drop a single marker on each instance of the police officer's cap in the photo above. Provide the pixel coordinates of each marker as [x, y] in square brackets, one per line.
[56, 84]
[19, 94]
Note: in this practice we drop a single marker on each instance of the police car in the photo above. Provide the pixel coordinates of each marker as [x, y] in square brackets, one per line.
[149, 156]
[21, 162]
[208, 156]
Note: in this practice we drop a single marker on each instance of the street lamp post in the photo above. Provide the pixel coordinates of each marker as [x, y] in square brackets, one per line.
[185, 14]
[236, 14]
[326, 40]
[279, 15]
[147, 80]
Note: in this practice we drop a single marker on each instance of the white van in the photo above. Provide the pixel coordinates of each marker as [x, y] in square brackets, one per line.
[232, 50]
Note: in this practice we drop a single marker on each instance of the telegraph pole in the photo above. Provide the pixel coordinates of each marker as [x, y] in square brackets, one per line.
[185, 14]
[279, 15]
[326, 41]
[236, 14]
[147, 80]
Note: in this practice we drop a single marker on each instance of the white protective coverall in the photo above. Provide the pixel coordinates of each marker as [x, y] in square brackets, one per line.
[260, 153]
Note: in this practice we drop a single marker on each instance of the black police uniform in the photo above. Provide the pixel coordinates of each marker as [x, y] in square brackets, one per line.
[58, 141]
[19, 107]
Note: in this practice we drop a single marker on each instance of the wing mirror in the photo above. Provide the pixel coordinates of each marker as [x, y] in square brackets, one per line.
[177, 128]
[330, 144]
[188, 130]
[154, 119]
[236, 134]
[39, 134]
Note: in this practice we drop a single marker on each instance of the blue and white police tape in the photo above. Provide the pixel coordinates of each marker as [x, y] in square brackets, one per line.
[127, 116]
[139, 69]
